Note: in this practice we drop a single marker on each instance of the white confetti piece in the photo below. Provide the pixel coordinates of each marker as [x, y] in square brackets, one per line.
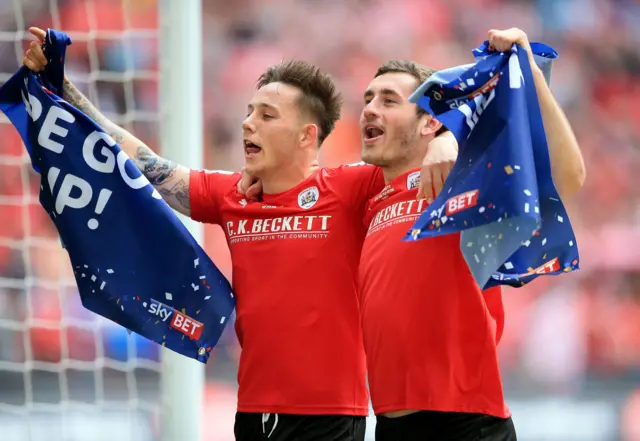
[544, 241]
[508, 265]
[482, 249]
[471, 82]
[86, 266]
[144, 304]
[526, 207]
[222, 320]
[110, 271]
[103, 285]
[560, 219]
[231, 294]
[195, 287]
[537, 209]
[168, 296]
[516, 167]
[207, 297]
[444, 219]
[93, 278]
[203, 277]
[527, 243]
[481, 210]
[196, 263]
[554, 199]
[122, 307]
[527, 192]
[570, 243]
[475, 256]
[469, 244]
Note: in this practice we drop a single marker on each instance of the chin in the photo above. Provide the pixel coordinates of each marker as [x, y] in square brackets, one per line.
[252, 168]
[372, 158]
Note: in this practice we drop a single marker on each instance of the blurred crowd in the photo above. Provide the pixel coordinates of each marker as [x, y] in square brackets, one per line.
[560, 332]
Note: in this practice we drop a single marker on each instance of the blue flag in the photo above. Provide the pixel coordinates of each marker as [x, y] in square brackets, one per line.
[500, 193]
[134, 262]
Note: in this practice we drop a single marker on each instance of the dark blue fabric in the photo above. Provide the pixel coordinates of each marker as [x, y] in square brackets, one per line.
[134, 261]
[500, 193]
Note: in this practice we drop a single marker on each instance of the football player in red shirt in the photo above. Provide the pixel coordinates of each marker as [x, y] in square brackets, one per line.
[430, 332]
[295, 254]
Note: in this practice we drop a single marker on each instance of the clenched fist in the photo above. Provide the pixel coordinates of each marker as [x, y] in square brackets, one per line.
[34, 58]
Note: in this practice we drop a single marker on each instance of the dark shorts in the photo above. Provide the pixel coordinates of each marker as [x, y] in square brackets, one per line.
[445, 426]
[285, 427]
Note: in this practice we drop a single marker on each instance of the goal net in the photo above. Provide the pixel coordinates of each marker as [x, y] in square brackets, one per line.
[65, 373]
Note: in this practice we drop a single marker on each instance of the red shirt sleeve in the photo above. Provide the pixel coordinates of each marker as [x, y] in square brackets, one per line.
[363, 181]
[206, 193]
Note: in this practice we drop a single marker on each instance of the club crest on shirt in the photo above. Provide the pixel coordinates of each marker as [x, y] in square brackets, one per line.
[413, 180]
[308, 197]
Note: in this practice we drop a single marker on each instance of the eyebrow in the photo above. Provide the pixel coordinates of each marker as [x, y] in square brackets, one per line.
[264, 105]
[370, 93]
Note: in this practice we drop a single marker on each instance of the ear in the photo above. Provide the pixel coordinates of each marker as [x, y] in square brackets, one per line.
[429, 125]
[309, 136]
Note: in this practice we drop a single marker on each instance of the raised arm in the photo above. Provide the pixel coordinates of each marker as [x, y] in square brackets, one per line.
[567, 165]
[170, 179]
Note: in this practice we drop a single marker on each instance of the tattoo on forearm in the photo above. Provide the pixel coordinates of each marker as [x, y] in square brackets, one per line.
[180, 192]
[74, 97]
[157, 170]
[160, 172]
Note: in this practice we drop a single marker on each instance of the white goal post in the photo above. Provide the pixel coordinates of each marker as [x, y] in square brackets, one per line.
[181, 138]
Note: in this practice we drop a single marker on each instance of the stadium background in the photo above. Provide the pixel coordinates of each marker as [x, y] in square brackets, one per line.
[571, 349]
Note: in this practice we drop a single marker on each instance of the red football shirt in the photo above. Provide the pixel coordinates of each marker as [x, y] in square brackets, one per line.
[430, 332]
[295, 270]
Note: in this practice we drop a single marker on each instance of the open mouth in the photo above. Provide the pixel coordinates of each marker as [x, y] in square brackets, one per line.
[251, 148]
[372, 133]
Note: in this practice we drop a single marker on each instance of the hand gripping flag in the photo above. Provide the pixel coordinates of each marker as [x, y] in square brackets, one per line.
[500, 194]
[134, 261]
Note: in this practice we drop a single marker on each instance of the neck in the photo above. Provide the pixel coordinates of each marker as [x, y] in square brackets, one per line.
[285, 178]
[399, 168]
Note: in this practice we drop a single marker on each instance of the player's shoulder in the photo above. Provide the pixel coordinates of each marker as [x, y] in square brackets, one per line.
[220, 177]
[356, 169]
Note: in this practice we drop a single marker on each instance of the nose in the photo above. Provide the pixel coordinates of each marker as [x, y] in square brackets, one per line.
[370, 112]
[247, 125]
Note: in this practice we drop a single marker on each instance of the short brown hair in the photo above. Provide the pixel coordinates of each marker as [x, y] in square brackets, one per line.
[420, 72]
[319, 97]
